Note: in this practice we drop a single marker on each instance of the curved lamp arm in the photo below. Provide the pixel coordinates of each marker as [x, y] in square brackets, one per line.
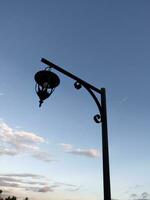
[101, 117]
[97, 117]
[78, 84]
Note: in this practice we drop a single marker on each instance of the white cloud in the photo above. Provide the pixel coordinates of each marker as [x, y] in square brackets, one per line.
[28, 137]
[45, 189]
[85, 152]
[66, 146]
[6, 151]
[41, 184]
[23, 175]
[94, 153]
[18, 142]
[7, 184]
[18, 138]
[43, 156]
[73, 190]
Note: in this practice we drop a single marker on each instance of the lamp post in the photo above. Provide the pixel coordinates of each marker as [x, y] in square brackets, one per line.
[47, 81]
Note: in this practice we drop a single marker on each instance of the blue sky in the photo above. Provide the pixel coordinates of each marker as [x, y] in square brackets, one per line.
[104, 42]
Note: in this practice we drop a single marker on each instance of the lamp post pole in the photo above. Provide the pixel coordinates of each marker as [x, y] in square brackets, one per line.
[48, 80]
[105, 150]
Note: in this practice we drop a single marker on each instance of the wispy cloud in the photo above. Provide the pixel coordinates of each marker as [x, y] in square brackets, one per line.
[73, 189]
[38, 183]
[40, 189]
[14, 142]
[6, 151]
[22, 181]
[23, 175]
[68, 148]
[88, 152]
[44, 156]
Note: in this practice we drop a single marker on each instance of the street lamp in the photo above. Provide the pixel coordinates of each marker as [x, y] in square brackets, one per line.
[47, 81]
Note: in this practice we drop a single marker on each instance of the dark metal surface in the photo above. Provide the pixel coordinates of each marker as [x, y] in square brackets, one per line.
[101, 117]
[52, 65]
[47, 79]
[105, 150]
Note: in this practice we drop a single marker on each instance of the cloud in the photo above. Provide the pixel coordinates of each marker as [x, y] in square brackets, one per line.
[65, 184]
[6, 151]
[23, 175]
[41, 184]
[88, 152]
[73, 189]
[45, 189]
[93, 153]
[40, 189]
[7, 184]
[19, 139]
[44, 156]
[9, 179]
[23, 181]
[19, 142]
[66, 146]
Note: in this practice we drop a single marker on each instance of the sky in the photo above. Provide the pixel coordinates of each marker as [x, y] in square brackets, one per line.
[55, 152]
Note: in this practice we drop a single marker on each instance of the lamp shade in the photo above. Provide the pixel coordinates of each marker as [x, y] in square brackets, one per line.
[46, 82]
[47, 79]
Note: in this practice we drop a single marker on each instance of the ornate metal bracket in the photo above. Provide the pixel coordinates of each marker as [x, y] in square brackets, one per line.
[97, 117]
[78, 84]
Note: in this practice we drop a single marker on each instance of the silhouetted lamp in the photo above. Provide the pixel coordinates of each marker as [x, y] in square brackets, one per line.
[46, 82]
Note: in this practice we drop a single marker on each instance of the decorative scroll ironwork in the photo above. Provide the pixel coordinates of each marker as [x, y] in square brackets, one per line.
[97, 117]
[77, 85]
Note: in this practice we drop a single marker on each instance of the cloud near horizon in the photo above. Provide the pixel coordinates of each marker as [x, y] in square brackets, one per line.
[14, 142]
[33, 183]
[68, 148]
